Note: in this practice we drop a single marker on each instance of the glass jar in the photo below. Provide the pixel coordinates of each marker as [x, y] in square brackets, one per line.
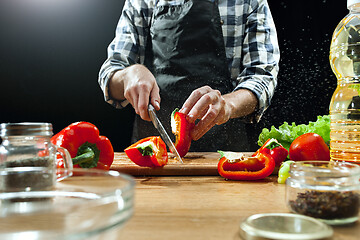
[28, 158]
[326, 190]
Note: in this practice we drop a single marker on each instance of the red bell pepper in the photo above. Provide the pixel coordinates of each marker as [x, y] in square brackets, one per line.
[181, 127]
[237, 167]
[86, 147]
[148, 152]
[309, 146]
[275, 149]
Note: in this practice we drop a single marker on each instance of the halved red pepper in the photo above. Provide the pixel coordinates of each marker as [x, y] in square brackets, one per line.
[275, 149]
[243, 168]
[181, 127]
[148, 152]
[86, 147]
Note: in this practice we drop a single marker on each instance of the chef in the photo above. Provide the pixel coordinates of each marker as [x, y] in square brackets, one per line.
[216, 60]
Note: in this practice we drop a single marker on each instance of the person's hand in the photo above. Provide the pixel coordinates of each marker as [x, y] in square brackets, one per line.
[141, 87]
[209, 106]
[138, 85]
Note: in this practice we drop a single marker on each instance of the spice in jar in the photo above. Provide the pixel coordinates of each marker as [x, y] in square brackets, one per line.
[28, 174]
[326, 204]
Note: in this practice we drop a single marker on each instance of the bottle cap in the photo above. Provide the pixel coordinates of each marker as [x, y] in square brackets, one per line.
[26, 129]
[283, 226]
[352, 2]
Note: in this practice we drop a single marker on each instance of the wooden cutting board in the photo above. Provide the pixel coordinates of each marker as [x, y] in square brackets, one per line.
[195, 163]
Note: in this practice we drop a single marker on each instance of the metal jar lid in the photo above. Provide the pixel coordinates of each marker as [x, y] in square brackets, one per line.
[283, 226]
[26, 129]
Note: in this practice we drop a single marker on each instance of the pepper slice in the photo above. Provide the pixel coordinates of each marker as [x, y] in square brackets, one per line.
[284, 171]
[148, 152]
[275, 149]
[242, 168]
[86, 147]
[181, 128]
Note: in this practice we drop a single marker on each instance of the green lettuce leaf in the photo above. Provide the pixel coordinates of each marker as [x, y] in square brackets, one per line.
[286, 133]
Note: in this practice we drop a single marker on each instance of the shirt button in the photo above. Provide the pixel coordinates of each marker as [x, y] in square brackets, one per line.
[221, 22]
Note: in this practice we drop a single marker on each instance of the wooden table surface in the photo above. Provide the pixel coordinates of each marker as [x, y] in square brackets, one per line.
[205, 207]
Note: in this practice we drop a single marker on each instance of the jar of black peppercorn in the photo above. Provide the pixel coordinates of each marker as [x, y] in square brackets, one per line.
[326, 190]
[28, 158]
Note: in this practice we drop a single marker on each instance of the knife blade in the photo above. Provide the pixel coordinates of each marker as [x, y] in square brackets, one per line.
[162, 131]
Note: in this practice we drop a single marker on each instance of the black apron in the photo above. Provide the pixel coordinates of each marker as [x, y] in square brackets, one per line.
[186, 51]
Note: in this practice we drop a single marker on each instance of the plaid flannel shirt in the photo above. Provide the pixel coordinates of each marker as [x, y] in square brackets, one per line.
[250, 43]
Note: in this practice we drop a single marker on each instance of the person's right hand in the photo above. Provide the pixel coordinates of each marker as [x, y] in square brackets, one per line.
[139, 86]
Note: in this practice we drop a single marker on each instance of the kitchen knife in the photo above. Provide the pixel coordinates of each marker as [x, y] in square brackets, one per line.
[162, 131]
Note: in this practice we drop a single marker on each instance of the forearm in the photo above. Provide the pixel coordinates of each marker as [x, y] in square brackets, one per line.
[241, 103]
[116, 85]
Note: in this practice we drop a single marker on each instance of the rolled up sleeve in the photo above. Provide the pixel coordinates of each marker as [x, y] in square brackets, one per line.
[128, 46]
[261, 57]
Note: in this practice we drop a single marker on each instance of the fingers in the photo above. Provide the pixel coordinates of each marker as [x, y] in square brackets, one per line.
[138, 97]
[139, 89]
[199, 101]
[209, 106]
[142, 106]
[143, 102]
[192, 99]
[155, 97]
[204, 125]
[215, 115]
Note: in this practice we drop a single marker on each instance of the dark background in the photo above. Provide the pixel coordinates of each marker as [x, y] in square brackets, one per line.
[51, 52]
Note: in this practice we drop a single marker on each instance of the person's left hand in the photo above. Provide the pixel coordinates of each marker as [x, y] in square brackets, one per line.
[209, 106]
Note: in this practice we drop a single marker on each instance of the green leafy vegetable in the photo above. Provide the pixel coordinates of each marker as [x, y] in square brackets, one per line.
[356, 87]
[287, 133]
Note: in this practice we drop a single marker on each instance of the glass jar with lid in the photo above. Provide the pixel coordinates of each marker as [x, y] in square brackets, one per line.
[28, 158]
[326, 190]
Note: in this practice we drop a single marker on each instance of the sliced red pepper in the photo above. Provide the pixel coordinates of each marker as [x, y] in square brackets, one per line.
[181, 127]
[148, 152]
[275, 149]
[253, 168]
[86, 147]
